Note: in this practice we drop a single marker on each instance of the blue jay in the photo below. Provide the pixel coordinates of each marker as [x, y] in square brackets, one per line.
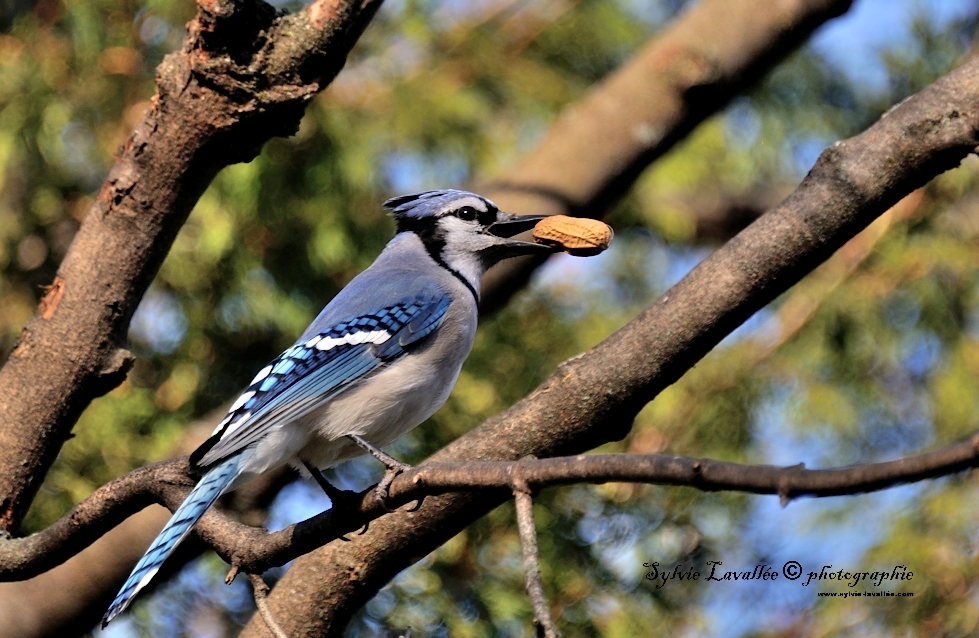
[379, 359]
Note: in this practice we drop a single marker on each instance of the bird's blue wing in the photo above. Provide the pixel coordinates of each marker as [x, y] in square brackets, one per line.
[312, 372]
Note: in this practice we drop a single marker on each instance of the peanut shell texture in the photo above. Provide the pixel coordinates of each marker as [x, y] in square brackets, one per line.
[574, 235]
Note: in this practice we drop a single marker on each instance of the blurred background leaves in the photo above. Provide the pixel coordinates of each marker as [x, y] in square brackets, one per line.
[875, 355]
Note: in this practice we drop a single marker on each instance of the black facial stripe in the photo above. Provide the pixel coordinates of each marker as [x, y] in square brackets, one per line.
[433, 238]
[488, 218]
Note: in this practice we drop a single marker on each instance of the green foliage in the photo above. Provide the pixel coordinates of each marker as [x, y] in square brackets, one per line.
[885, 362]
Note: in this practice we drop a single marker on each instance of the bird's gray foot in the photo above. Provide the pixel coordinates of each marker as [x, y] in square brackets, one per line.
[393, 465]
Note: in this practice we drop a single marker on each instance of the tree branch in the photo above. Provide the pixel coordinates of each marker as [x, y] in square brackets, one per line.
[252, 550]
[524, 503]
[593, 398]
[243, 76]
[599, 145]
[70, 599]
[261, 592]
[75, 593]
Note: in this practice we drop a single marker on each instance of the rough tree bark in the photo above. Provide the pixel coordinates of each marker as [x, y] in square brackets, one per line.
[671, 77]
[592, 399]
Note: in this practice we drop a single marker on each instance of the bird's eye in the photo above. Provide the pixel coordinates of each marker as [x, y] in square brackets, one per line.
[466, 213]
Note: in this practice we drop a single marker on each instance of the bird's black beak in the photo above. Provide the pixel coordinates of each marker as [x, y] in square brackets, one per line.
[509, 225]
[514, 224]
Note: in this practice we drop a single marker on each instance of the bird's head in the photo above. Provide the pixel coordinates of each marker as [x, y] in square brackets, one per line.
[464, 231]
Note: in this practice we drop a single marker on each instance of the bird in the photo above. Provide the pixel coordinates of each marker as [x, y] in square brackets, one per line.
[378, 360]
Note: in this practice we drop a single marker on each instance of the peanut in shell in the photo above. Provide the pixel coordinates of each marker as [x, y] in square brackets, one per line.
[574, 235]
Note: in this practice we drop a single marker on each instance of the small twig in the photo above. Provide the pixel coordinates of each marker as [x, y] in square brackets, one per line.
[531, 563]
[261, 591]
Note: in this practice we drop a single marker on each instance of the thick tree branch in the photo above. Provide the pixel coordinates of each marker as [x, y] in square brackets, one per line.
[596, 149]
[795, 310]
[593, 398]
[70, 599]
[243, 76]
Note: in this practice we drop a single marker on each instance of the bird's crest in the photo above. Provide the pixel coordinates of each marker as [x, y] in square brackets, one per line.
[427, 204]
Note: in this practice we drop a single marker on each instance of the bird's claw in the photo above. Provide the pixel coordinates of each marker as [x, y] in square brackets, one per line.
[393, 465]
[340, 499]
[383, 488]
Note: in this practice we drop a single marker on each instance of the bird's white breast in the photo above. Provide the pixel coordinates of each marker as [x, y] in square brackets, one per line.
[390, 403]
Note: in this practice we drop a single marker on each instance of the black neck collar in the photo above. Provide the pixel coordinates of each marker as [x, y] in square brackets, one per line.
[433, 239]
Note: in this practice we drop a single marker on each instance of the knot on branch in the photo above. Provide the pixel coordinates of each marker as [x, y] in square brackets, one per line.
[52, 298]
[248, 70]
[785, 484]
[115, 366]
[697, 76]
[236, 29]
[517, 479]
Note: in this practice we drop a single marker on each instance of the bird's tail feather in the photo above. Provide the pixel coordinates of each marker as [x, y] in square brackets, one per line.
[210, 487]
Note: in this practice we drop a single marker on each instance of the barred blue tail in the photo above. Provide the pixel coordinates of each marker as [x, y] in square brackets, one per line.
[201, 497]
